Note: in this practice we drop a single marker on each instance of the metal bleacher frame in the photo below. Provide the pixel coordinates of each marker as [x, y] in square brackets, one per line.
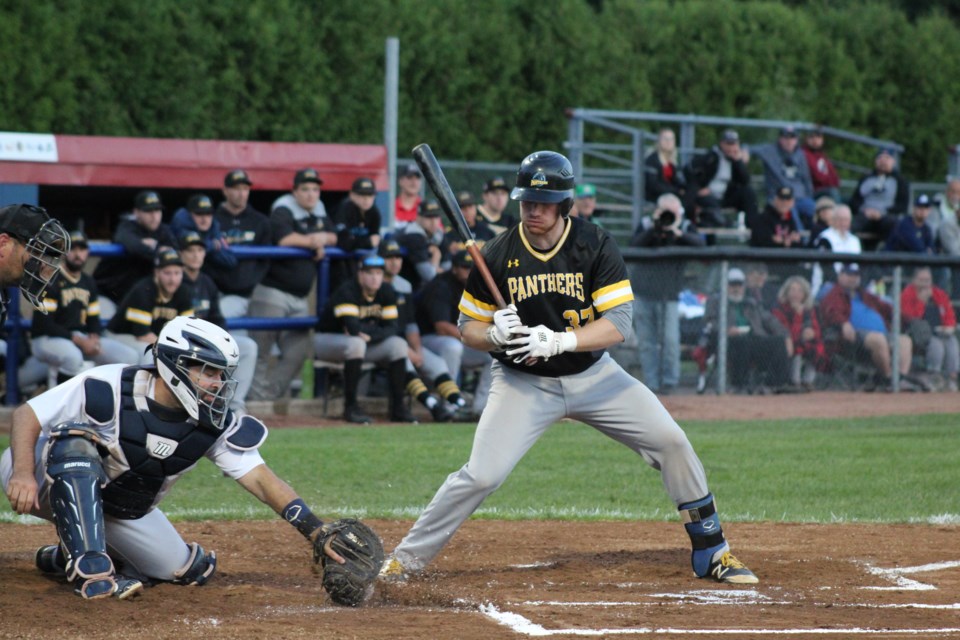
[17, 325]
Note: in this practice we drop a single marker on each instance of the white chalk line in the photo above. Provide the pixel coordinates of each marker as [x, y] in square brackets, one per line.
[522, 625]
[903, 583]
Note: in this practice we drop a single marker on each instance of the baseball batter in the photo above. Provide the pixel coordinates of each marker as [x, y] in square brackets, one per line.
[569, 299]
[96, 455]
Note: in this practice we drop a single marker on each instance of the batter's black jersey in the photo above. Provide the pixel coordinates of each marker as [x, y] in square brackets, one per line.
[71, 305]
[563, 288]
[350, 311]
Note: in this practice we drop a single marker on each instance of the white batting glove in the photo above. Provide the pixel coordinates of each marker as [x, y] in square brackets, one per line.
[505, 321]
[540, 342]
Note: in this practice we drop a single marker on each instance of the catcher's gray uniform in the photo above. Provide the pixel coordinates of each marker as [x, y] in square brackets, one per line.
[148, 545]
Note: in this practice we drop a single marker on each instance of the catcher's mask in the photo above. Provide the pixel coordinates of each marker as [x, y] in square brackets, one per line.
[546, 176]
[45, 242]
[189, 353]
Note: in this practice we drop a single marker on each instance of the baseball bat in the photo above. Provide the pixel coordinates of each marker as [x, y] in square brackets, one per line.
[423, 156]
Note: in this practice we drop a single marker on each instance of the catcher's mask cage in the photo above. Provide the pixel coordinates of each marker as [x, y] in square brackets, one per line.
[187, 343]
[546, 176]
[44, 252]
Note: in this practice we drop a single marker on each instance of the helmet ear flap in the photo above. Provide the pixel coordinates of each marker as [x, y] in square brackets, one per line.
[565, 206]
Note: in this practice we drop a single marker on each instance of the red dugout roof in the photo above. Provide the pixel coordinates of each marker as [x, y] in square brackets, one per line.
[200, 164]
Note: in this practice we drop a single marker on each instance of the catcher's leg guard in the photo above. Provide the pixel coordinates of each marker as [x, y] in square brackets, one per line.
[76, 474]
[198, 569]
[51, 559]
[703, 526]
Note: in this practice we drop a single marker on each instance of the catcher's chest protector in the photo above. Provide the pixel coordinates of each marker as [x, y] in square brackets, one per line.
[154, 450]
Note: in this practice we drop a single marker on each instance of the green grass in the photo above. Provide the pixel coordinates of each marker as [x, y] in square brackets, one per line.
[893, 469]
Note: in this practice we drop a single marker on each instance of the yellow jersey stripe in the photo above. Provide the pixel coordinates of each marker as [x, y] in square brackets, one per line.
[188, 312]
[612, 295]
[94, 309]
[50, 305]
[476, 309]
[139, 316]
[342, 310]
[390, 313]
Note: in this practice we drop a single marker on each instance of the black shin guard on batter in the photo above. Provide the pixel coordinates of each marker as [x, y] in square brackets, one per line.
[76, 475]
[352, 370]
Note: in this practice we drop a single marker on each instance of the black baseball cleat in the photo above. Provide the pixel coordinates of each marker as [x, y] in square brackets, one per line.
[49, 559]
[441, 412]
[353, 413]
[403, 415]
[127, 587]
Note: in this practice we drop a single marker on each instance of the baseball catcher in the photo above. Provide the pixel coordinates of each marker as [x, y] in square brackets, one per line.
[349, 582]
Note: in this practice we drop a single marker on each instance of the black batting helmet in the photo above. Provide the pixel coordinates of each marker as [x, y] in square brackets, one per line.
[545, 176]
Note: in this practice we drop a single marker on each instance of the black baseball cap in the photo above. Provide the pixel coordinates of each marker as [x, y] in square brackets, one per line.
[235, 177]
[429, 209]
[390, 249]
[462, 259]
[788, 132]
[22, 221]
[166, 258]
[78, 239]
[494, 184]
[923, 200]
[850, 267]
[148, 201]
[364, 187]
[306, 175]
[372, 262]
[729, 135]
[465, 199]
[410, 169]
[200, 204]
[190, 238]
[785, 193]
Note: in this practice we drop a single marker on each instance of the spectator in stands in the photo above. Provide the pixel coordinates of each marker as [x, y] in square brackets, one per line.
[785, 165]
[141, 235]
[912, 234]
[150, 304]
[822, 215]
[823, 175]
[948, 234]
[662, 174]
[242, 226]
[198, 216]
[407, 204]
[757, 344]
[837, 239]
[359, 324]
[482, 232]
[879, 199]
[758, 285]
[495, 199]
[422, 244]
[438, 311]
[795, 311]
[857, 323]
[777, 226]
[930, 321]
[68, 337]
[720, 178]
[419, 360]
[205, 300]
[298, 219]
[585, 203]
[657, 287]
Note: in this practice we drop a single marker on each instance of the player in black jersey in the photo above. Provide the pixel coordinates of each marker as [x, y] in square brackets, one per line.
[569, 299]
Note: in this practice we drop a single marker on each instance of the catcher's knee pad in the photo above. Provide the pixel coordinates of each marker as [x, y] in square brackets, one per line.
[75, 474]
[199, 568]
[702, 523]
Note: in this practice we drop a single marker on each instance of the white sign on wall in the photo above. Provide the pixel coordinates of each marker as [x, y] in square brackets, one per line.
[28, 147]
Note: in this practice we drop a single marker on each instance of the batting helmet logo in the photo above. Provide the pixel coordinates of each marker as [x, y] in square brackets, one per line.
[539, 180]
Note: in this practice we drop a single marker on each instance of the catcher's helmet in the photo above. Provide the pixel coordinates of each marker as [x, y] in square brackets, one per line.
[545, 176]
[188, 342]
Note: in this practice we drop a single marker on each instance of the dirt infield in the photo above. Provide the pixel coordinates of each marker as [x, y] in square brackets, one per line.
[556, 579]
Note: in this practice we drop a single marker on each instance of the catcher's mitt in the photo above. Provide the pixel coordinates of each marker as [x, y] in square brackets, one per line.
[360, 546]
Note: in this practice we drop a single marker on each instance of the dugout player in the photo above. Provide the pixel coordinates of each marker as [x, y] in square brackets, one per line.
[96, 455]
[31, 247]
[570, 299]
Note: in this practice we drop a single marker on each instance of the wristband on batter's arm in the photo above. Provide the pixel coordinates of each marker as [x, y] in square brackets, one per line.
[299, 515]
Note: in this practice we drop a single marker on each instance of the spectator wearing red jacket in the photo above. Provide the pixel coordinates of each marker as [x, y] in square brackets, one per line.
[854, 320]
[823, 175]
[930, 320]
[795, 311]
